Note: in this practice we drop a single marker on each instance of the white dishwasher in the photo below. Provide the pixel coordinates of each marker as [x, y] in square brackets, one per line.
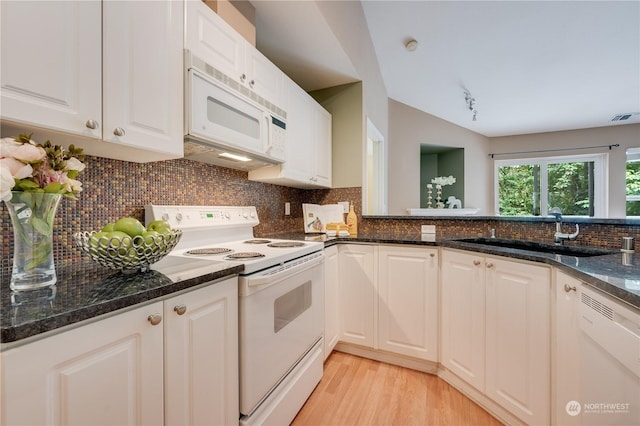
[610, 348]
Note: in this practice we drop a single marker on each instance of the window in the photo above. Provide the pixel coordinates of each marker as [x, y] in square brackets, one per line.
[530, 187]
[633, 182]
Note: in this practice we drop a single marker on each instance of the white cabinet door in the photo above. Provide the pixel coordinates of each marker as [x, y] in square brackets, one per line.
[565, 350]
[300, 155]
[331, 300]
[201, 356]
[408, 301]
[51, 72]
[108, 372]
[518, 338]
[214, 41]
[358, 294]
[143, 73]
[463, 316]
[322, 133]
[263, 77]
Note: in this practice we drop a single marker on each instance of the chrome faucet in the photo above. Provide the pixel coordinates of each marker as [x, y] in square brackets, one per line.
[559, 237]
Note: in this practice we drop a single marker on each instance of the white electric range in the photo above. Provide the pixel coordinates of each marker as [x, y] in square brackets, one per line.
[281, 304]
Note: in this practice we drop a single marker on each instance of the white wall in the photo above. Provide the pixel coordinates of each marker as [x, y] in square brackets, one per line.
[628, 136]
[408, 128]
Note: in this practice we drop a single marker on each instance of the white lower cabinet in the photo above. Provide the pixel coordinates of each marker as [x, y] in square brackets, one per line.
[565, 350]
[201, 356]
[108, 372]
[408, 301]
[496, 330]
[155, 364]
[358, 293]
[331, 300]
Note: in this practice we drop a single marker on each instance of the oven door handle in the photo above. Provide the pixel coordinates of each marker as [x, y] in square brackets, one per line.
[284, 271]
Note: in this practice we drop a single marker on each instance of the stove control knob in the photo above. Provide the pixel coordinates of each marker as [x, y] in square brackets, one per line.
[178, 216]
[245, 215]
[253, 214]
[227, 215]
[165, 216]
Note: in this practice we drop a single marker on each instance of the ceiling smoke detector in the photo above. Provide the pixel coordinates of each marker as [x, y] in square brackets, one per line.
[411, 45]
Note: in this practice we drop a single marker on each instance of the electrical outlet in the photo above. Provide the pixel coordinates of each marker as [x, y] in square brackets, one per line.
[287, 209]
[345, 206]
[428, 229]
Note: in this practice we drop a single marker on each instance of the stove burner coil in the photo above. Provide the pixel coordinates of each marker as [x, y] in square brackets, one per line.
[210, 250]
[257, 241]
[245, 255]
[286, 244]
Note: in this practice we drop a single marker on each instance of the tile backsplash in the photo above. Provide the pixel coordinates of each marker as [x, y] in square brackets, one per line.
[114, 189]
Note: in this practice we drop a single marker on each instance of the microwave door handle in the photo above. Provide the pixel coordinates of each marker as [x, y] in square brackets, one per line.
[268, 144]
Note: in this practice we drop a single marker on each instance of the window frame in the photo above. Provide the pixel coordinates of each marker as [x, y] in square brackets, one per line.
[632, 156]
[600, 180]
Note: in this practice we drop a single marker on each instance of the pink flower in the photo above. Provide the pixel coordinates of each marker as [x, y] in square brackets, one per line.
[6, 183]
[25, 152]
[74, 164]
[17, 169]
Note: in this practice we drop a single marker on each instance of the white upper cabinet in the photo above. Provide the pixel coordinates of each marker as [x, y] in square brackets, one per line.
[95, 70]
[212, 39]
[308, 139]
[142, 79]
[52, 65]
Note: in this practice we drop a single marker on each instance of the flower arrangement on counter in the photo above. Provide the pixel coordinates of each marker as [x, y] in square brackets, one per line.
[29, 167]
[33, 180]
[439, 182]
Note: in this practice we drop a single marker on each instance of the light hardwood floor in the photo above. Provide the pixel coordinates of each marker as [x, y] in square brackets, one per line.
[356, 391]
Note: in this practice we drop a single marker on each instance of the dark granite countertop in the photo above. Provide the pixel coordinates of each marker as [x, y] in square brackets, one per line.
[614, 274]
[86, 290]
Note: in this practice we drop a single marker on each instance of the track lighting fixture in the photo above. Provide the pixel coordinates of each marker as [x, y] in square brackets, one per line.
[471, 102]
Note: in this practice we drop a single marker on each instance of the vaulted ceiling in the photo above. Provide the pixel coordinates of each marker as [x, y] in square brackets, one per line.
[531, 66]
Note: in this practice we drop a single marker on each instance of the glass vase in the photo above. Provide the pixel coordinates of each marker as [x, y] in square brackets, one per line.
[32, 216]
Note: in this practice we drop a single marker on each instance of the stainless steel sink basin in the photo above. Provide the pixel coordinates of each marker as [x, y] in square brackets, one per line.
[538, 247]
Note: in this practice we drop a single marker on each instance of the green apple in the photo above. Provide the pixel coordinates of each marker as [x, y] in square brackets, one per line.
[108, 227]
[130, 226]
[151, 237]
[120, 241]
[161, 226]
[98, 242]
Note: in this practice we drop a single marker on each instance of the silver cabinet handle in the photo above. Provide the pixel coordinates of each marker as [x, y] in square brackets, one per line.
[476, 262]
[91, 124]
[489, 265]
[180, 309]
[154, 319]
[569, 288]
[119, 131]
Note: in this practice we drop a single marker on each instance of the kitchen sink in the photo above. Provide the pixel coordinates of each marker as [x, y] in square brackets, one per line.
[538, 247]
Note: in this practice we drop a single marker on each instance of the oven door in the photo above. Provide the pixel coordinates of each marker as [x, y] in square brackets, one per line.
[281, 317]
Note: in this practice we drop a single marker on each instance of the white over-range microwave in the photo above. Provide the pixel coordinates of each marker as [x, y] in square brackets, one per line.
[227, 123]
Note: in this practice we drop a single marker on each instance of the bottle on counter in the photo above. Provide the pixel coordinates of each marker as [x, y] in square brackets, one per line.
[352, 222]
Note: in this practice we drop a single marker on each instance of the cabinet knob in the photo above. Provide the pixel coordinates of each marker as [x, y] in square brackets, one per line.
[243, 77]
[119, 131]
[180, 309]
[252, 83]
[155, 319]
[489, 265]
[91, 124]
[432, 254]
[569, 288]
[476, 262]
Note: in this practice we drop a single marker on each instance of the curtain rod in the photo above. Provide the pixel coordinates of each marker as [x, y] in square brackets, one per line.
[616, 145]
